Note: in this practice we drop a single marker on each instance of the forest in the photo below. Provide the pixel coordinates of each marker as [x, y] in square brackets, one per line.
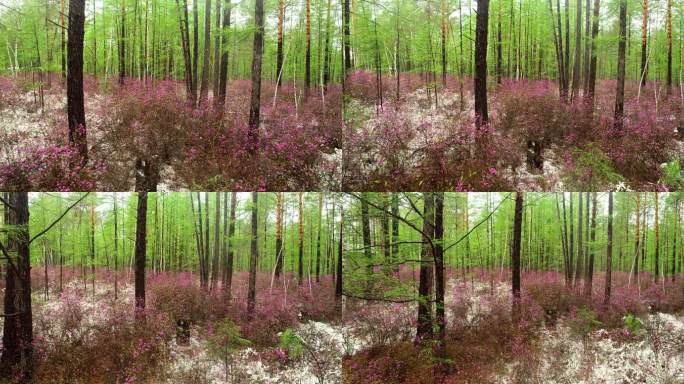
[371, 287]
[349, 95]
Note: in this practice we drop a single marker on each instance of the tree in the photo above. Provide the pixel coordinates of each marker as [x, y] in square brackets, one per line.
[365, 233]
[217, 242]
[576, 71]
[257, 52]
[515, 252]
[656, 262]
[307, 57]
[223, 76]
[669, 47]
[481, 28]
[591, 83]
[254, 255]
[439, 271]
[279, 234]
[279, 54]
[75, 106]
[318, 237]
[339, 267]
[424, 324]
[589, 280]
[620, 92]
[16, 357]
[644, 40]
[300, 259]
[140, 253]
[228, 274]
[609, 251]
[204, 86]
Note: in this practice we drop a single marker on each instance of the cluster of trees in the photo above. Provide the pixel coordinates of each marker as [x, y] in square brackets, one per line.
[370, 239]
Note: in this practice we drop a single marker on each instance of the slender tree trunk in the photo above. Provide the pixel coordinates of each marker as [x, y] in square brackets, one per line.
[395, 232]
[122, 44]
[588, 284]
[217, 242]
[318, 240]
[279, 234]
[576, 71]
[140, 250]
[204, 86]
[656, 274]
[482, 23]
[439, 272]
[279, 53]
[339, 270]
[223, 76]
[217, 50]
[257, 52]
[254, 255]
[620, 92]
[300, 258]
[643, 74]
[591, 83]
[669, 47]
[367, 252]
[515, 253]
[229, 255]
[307, 57]
[424, 327]
[609, 251]
[75, 107]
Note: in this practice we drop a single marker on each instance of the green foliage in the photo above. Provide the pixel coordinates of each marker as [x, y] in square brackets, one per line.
[225, 338]
[633, 323]
[584, 322]
[592, 170]
[290, 342]
[672, 175]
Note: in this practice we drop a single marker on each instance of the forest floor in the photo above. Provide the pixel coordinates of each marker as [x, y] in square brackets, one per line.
[575, 347]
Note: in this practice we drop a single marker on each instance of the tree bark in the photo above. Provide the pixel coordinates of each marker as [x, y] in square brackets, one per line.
[620, 92]
[424, 326]
[204, 86]
[257, 52]
[254, 254]
[140, 253]
[75, 106]
[609, 252]
[481, 28]
[223, 76]
[515, 253]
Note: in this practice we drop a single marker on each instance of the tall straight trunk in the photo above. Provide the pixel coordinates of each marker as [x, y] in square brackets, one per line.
[326, 55]
[515, 252]
[217, 242]
[257, 52]
[395, 231]
[62, 22]
[279, 234]
[439, 271]
[122, 43]
[17, 352]
[183, 24]
[637, 237]
[200, 243]
[206, 240]
[217, 50]
[307, 57]
[385, 231]
[669, 47]
[424, 326]
[116, 249]
[656, 224]
[499, 48]
[481, 28]
[367, 253]
[609, 251]
[195, 48]
[223, 76]
[229, 254]
[674, 241]
[566, 60]
[204, 86]
[443, 30]
[591, 83]
[589, 281]
[643, 74]
[318, 239]
[620, 92]
[576, 71]
[279, 52]
[587, 46]
[300, 243]
[75, 107]
[254, 254]
[338, 268]
[579, 267]
[140, 250]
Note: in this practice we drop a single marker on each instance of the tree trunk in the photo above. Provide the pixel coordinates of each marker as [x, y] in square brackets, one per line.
[318, 240]
[439, 272]
[669, 47]
[591, 83]
[204, 86]
[257, 52]
[140, 249]
[75, 107]
[481, 28]
[576, 71]
[620, 92]
[515, 253]
[254, 254]
[279, 53]
[279, 234]
[367, 252]
[656, 274]
[643, 74]
[223, 76]
[424, 327]
[588, 284]
[307, 58]
[217, 242]
[609, 251]
[338, 274]
[229, 254]
[300, 258]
